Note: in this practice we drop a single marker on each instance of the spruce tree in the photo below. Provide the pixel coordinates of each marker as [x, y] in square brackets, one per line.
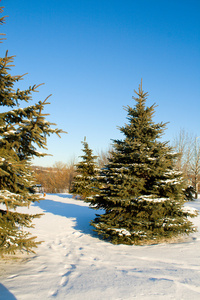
[22, 131]
[85, 183]
[142, 192]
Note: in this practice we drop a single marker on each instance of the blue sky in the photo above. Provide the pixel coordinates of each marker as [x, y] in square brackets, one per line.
[91, 55]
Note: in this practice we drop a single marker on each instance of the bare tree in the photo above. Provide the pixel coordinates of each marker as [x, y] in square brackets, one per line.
[56, 179]
[195, 165]
[183, 145]
[188, 160]
[71, 172]
[103, 157]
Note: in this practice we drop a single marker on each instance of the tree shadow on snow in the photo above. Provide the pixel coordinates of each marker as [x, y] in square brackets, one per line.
[82, 214]
[62, 195]
[5, 294]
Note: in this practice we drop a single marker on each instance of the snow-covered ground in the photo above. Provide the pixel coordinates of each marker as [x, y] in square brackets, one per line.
[72, 263]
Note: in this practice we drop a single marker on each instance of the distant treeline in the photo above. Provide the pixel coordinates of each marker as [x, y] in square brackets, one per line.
[59, 177]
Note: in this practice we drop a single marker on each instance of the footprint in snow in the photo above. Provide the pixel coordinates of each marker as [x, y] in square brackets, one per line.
[53, 293]
[12, 276]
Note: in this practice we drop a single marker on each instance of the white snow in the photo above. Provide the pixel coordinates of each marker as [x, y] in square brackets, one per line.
[151, 158]
[74, 264]
[170, 181]
[122, 231]
[5, 194]
[10, 132]
[152, 198]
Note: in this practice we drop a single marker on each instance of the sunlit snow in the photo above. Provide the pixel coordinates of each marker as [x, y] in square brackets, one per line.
[74, 264]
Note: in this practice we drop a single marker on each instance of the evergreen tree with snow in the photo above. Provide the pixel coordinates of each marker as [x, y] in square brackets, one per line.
[142, 192]
[22, 131]
[85, 183]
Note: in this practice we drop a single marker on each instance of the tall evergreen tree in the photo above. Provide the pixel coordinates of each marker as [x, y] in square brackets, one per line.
[85, 182]
[142, 192]
[22, 130]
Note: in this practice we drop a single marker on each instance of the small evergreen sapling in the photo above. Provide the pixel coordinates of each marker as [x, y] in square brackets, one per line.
[142, 192]
[85, 183]
[21, 131]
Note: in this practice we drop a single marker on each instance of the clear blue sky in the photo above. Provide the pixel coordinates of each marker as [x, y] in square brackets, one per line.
[91, 55]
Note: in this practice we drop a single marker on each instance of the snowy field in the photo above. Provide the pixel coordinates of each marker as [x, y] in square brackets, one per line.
[72, 263]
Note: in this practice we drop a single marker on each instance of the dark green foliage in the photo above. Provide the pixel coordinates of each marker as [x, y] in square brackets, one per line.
[11, 238]
[142, 192]
[21, 131]
[189, 193]
[85, 183]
